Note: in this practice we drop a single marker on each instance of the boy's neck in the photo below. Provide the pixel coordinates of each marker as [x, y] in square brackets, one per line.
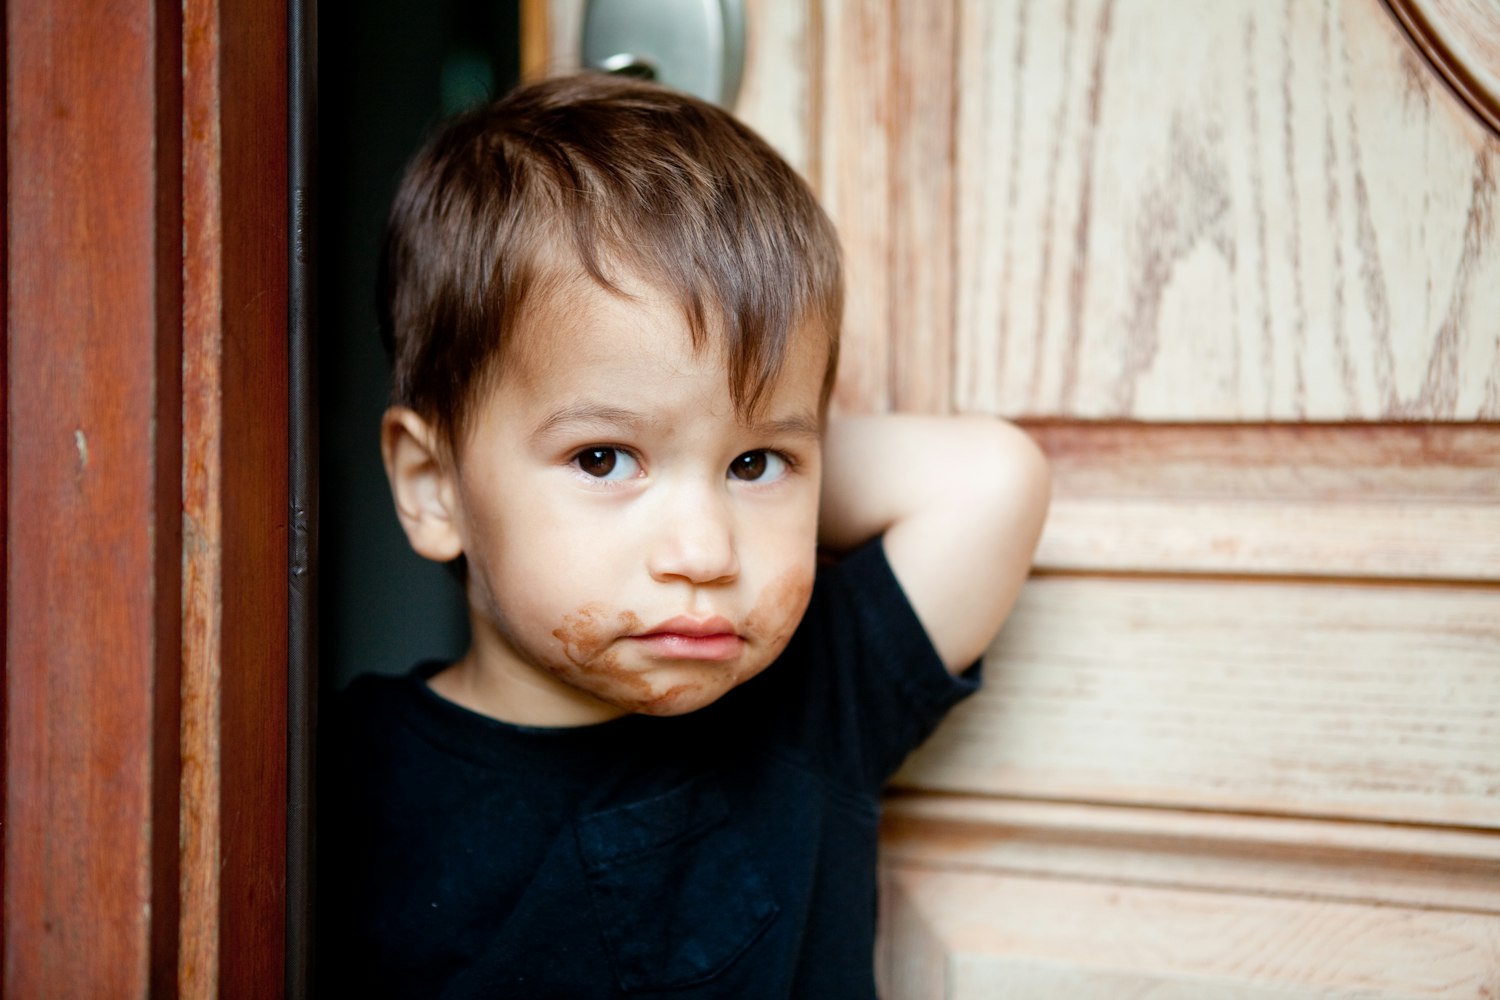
[519, 698]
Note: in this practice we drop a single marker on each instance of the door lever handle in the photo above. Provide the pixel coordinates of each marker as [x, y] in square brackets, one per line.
[692, 45]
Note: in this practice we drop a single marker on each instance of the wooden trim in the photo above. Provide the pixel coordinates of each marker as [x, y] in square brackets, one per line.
[92, 638]
[1461, 42]
[166, 719]
[1309, 859]
[1394, 502]
[5, 438]
[235, 500]
[536, 40]
[202, 564]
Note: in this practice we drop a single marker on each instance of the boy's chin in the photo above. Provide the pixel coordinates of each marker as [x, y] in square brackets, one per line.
[679, 700]
[668, 707]
[684, 697]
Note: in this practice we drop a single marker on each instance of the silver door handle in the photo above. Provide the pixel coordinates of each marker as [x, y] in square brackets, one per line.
[692, 45]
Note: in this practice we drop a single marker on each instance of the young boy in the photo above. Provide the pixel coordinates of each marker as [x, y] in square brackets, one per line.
[614, 315]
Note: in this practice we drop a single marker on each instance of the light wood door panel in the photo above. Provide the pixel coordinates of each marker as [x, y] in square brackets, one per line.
[990, 935]
[1277, 213]
[1139, 210]
[1372, 702]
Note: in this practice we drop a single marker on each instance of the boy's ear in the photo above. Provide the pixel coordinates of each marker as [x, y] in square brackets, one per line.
[421, 484]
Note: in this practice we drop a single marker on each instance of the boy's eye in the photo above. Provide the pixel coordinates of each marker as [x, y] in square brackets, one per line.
[607, 463]
[758, 466]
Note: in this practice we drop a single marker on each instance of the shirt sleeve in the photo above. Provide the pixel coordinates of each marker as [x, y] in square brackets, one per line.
[870, 685]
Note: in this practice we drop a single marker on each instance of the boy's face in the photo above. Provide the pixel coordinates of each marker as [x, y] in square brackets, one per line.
[633, 545]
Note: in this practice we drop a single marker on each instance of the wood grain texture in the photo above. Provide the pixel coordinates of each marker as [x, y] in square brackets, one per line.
[855, 184]
[885, 147]
[93, 556]
[911, 958]
[1394, 502]
[776, 90]
[1360, 702]
[252, 721]
[924, 96]
[234, 500]
[1014, 936]
[1374, 863]
[202, 486]
[1252, 211]
[5, 436]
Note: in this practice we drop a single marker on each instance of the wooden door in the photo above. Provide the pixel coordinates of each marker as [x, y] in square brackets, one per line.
[146, 498]
[1237, 267]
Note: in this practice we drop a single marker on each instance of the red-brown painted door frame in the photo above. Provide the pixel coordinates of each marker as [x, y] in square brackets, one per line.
[145, 405]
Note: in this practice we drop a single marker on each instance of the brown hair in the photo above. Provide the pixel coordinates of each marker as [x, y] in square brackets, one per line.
[624, 175]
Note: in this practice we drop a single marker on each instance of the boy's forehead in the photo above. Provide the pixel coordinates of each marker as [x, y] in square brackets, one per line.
[570, 321]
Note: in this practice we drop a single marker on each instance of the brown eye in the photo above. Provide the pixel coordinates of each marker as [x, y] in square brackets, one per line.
[597, 462]
[752, 465]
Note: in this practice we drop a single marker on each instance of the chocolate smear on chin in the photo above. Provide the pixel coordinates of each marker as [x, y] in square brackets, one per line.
[778, 611]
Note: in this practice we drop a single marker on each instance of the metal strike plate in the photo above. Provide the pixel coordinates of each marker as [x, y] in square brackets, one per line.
[692, 45]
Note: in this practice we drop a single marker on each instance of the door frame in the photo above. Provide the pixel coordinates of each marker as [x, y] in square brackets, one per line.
[146, 515]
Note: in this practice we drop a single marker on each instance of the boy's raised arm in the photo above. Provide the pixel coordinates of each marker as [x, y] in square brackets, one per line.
[961, 501]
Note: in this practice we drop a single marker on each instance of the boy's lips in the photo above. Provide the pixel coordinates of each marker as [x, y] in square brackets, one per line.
[696, 628]
[685, 638]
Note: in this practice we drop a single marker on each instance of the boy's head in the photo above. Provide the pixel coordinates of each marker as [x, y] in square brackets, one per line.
[618, 179]
[614, 317]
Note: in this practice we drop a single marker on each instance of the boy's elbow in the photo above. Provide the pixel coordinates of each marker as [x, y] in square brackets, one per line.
[1034, 473]
[991, 481]
[1021, 494]
[1016, 481]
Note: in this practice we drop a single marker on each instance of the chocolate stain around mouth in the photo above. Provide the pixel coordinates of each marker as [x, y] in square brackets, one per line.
[587, 636]
[587, 632]
[778, 611]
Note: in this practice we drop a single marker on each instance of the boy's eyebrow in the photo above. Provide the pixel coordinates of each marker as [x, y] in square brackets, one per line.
[799, 424]
[589, 413]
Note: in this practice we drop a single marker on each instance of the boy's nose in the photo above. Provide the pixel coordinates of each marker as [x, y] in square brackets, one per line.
[695, 542]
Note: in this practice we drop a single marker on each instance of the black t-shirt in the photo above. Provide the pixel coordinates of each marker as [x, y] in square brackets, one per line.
[729, 852]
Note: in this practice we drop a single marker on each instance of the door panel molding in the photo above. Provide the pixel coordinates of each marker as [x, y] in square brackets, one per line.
[1461, 41]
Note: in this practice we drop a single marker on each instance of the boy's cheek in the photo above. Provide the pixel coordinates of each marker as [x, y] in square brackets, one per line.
[779, 608]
